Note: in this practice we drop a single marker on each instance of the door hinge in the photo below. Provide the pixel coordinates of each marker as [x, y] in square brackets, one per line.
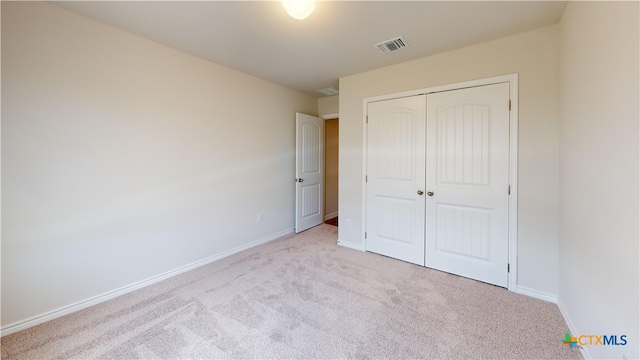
[365, 234]
[508, 267]
[509, 190]
[509, 104]
[367, 119]
[366, 178]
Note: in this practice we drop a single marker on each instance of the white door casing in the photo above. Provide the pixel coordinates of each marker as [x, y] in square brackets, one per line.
[309, 171]
[468, 173]
[395, 175]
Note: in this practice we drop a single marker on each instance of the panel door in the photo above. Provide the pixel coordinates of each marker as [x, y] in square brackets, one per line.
[309, 171]
[395, 177]
[467, 182]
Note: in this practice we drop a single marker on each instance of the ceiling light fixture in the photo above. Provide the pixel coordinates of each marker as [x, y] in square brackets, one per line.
[299, 9]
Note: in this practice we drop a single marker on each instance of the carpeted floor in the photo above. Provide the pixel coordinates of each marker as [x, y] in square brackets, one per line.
[305, 297]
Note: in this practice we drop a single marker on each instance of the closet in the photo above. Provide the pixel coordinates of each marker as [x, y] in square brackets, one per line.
[437, 180]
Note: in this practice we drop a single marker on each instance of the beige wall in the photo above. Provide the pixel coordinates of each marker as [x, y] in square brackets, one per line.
[533, 55]
[123, 159]
[328, 105]
[599, 175]
[331, 133]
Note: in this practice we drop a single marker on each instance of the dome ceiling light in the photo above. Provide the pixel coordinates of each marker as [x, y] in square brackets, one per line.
[299, 9]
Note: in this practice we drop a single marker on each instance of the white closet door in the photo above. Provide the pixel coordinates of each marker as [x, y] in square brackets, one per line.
[395, 178]
[467, 182]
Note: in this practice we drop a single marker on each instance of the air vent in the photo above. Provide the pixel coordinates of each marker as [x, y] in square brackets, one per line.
[391, 45]
[328, 91]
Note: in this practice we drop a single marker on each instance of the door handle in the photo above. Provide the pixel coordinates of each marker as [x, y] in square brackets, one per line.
[430, 193]
[420, 192]
[299, 180]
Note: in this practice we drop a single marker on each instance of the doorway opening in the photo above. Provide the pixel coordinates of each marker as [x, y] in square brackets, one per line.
[331, 136]
[316, 171]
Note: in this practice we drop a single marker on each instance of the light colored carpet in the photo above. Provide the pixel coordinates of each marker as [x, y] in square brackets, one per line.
[305, 297]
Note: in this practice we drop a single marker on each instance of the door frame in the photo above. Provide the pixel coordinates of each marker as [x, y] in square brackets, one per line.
[295, 209]
[512, 79]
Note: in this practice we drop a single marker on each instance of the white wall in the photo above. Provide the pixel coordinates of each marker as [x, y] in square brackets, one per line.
[123, 159]
[599, 233]
[534, 56]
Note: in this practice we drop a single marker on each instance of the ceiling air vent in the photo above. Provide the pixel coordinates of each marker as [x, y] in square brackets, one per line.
[328, 91]
[391, 45]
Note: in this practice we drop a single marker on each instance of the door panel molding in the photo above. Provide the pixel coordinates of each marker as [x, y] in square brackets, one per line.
[309, 180]
[512, 80]
[396, 171]
[468, 170]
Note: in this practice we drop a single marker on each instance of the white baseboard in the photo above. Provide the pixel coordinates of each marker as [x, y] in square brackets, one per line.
[536, 294]
[572, 329]
[80, 305]
[351, 245]
[331, 216]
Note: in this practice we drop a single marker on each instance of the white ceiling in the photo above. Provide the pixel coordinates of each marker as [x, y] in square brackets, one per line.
[259, 38]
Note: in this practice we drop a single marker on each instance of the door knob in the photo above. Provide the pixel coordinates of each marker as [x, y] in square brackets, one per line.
[430, 193]
[300, 180]
[420, 192]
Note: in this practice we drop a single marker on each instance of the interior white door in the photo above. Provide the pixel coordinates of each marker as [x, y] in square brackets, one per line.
[395, 200]
[309, 171]
[467, 182]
